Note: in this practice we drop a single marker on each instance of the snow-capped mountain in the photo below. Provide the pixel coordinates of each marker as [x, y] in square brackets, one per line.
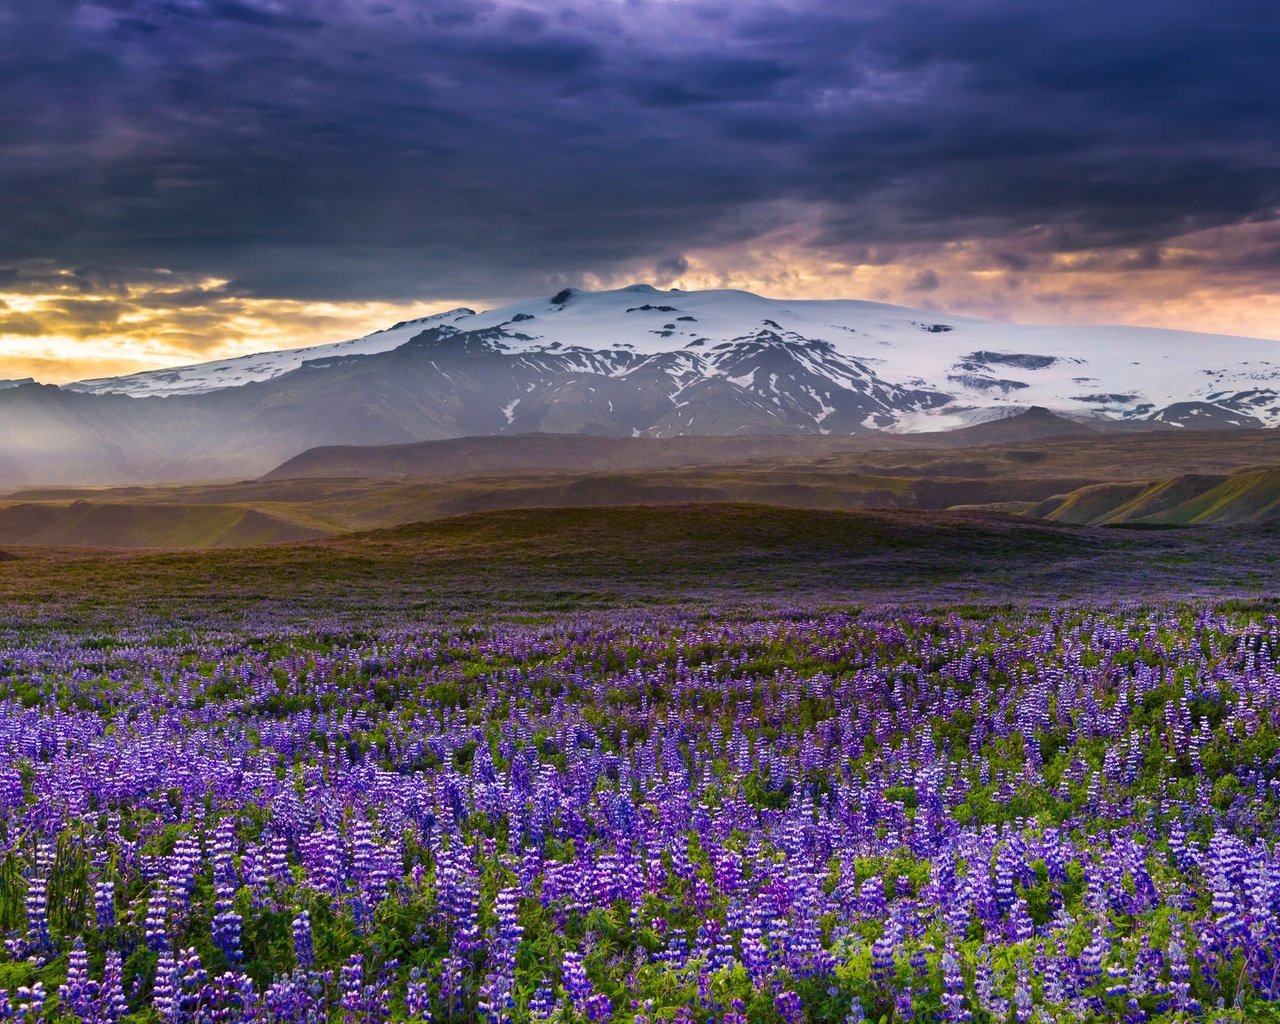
[630, 362]
[829, 366]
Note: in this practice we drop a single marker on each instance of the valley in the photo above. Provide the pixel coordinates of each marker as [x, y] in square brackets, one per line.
[1034, 464]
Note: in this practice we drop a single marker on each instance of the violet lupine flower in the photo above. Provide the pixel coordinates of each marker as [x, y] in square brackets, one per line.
[1021, 927]
[226, 924]
[1022, 1002]
[497, 992]
[453, 985]
[987, 988]
[226, 928]
[190, 976]
[294, 999]
[78, 995]
[112, 1005]
[1093, 955]
[166, 991]
[953, 1001]
[1180, 974]
[542, 1004]
[736, 1013]
[37, 906]
[577, 986]
[352, 998]
[29, 1004]
[303, 948]
[157, 922]
[598, 1009]
[679, 715]
[361, 1002]
[884, 950]
[790, 1007]
[104, 905]
[417, 997]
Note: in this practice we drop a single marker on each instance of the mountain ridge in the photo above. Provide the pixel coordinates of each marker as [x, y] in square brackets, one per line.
[633, 362]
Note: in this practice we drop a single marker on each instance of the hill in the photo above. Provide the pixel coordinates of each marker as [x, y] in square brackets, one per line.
[337, 490]
[626, 556]
[1246, 496]
[145, 525]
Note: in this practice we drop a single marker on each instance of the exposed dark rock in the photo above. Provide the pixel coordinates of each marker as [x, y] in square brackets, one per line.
[1022, 360]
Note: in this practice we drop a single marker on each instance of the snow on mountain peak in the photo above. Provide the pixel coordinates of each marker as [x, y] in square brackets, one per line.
[927, 370]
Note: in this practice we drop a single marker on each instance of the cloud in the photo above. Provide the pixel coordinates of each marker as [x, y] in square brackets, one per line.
[925, 281]
[21, 324]
[670, 269]
[333, 150]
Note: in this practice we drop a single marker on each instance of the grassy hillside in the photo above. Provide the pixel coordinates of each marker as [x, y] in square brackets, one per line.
[149, 524]
[622, 556]
[1246, 496]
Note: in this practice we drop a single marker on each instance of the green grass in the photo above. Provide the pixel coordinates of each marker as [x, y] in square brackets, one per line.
[624, 556]
[1245, 496]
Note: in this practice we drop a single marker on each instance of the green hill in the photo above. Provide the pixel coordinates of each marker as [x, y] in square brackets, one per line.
[1246, 496]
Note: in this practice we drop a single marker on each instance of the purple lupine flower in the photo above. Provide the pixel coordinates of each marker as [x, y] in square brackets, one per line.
[112, 1005]
[303, 948]
[294, 999]
[790, 1008]
[577, 986]
[352, 998]
[1180, 973]
[104, 905]
[157, 922]
[78, 995]
[28, 1006]
[598, 1009]
[497, 992]
[542, 1004]
[226, 928]
[736, 1013]
[37, 906]
[166, 990]
[1021, 927]
[417, 997]
[904, 1005]
[953, 1000]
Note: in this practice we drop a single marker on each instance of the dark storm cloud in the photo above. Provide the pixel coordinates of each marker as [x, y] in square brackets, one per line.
[341, 149]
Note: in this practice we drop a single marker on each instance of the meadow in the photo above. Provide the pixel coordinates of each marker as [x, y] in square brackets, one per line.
[1048, 816]
[793, 766]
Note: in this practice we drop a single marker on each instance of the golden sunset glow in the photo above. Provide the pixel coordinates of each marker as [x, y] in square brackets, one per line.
[56, 337]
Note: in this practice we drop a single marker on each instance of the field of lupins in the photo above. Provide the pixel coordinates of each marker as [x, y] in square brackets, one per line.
[1012, 816]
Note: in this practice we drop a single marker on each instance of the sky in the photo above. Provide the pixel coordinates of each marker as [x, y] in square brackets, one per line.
[188, 179]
